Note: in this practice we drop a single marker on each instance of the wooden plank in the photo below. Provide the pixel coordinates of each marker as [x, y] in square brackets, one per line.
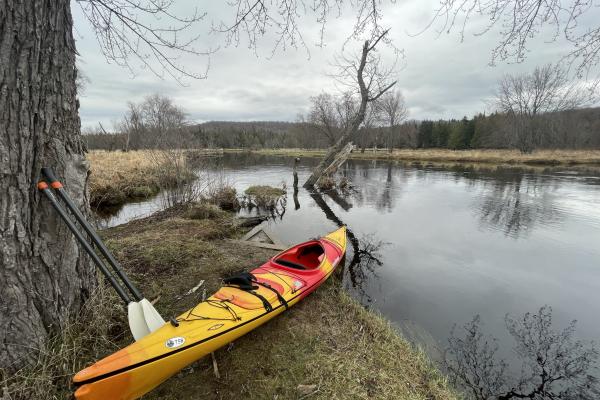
[272, 237]
[262, 230]
[254, 231]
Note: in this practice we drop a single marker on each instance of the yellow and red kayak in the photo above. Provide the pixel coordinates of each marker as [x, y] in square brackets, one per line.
[245, 303]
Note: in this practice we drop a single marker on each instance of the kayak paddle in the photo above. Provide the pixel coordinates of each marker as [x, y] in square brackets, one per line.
[143, 317]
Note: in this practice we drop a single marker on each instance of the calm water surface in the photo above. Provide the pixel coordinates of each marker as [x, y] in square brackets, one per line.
[448, 244]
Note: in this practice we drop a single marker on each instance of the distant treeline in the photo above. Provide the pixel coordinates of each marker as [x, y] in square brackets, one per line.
[573, 129]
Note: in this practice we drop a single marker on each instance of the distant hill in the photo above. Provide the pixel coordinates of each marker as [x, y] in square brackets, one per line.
[575, 129]
[271, 126]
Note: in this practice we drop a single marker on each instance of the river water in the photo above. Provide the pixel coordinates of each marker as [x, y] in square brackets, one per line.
[443, 245]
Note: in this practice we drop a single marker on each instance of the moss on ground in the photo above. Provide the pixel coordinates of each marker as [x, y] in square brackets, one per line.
[264, 191]
[263, 196]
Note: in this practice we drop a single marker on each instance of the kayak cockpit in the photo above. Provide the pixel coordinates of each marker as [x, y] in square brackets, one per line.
[307, 256]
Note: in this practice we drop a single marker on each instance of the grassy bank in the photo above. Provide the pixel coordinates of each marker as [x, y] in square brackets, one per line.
[326, 347]
[117, 177]
[511, 157]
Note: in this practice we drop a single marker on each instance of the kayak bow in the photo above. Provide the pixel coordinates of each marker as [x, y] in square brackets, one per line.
[244, 303]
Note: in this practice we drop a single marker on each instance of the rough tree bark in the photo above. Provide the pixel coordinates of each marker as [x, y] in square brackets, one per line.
[43, 275]
[352, 128]
[338, 161]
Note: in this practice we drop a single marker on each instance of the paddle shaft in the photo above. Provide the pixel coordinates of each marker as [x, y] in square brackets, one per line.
[57, 186]
[83, 242]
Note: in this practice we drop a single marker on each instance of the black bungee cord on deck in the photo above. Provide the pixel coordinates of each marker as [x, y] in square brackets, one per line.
[215, 303]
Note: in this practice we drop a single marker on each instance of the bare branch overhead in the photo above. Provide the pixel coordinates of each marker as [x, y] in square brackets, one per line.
[126, 32]
[521, 21]
[253, 19]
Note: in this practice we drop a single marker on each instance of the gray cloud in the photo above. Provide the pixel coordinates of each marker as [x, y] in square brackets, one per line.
[441, 77]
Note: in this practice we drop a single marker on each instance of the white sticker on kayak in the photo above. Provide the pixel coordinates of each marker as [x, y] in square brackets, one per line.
[174, 342]
[297, 284]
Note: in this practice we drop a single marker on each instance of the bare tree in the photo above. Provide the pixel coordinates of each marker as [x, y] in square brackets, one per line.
[371, 80]
[554, 364]
[392, 111]
[162, 119]
[369, 130]
[323, 117]
[132, 127]
[523, 20]
[331, 115]
[346, 108]
[163, 124]
[526, 98]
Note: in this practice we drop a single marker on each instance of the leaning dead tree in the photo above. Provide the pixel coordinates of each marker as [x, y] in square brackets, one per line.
[372, 81]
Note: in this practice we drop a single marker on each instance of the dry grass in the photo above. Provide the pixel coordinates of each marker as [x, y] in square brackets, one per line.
[224, 195]
[539, 157]
[117, 177]
[326, 347]
[48, 376]
[264, 191]
[512, 157]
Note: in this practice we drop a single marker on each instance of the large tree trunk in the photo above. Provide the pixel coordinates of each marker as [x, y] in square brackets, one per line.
[43, 274]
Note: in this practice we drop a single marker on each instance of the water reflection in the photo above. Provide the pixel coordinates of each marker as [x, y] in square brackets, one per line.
[366, 255]
[508, 200]
[380, 186]
[547, 363]
[515, 203]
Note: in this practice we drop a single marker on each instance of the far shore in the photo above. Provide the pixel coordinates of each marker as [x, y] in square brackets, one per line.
[118, 177]
[488, 156]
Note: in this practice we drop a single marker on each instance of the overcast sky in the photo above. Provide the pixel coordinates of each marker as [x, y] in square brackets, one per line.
[440, 76]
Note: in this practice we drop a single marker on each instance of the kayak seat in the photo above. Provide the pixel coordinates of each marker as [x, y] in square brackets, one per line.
[306, 257]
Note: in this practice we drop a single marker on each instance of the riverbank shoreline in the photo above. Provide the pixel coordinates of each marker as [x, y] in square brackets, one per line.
[327, 346]
[491, 157]
[118, 177]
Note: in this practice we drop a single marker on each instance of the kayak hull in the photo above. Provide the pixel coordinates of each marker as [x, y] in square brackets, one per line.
[227, 315]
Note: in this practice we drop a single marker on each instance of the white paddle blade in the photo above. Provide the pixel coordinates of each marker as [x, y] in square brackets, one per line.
[137, 323]
[151, 316]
